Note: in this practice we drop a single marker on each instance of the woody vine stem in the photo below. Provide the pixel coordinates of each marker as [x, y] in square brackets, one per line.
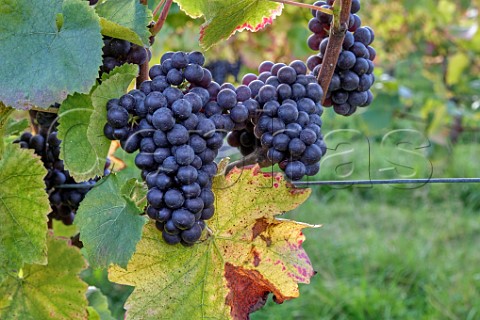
[341, 12]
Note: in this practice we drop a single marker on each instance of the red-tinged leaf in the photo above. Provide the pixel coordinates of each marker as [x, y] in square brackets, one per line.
[247, 254]
[224, 18]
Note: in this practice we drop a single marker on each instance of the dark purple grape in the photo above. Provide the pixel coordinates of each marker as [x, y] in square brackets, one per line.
[196, 57]
[194, 73]
[163, 119]
[171, 238]
[192, 235]
[227, 99]
[346, 60]
[137, 55]
[295, 170]
[178, 135]
[174, 199]
[182, 109]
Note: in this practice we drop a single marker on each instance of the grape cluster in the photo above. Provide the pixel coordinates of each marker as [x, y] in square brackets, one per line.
[64, 202]
[288, 122]
[117, 52]
[176, 123]
[353, 77]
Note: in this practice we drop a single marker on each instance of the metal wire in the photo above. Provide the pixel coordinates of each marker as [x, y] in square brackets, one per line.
[340, 182]
[386, 181]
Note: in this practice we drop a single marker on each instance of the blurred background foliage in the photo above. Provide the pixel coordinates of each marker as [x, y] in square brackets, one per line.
[385, 252]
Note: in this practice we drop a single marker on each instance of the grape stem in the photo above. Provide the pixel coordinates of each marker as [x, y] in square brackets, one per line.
[143, 74]
[161, 20]
[341, 14]
[304, 5]
[159, 6]
[209, 231]
[139, 202]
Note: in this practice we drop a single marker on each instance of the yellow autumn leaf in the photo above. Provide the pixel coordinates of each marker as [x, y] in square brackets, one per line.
[247, 254]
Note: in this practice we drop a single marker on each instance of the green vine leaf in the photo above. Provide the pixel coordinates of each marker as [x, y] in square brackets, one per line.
[249, 254]
[53, 291]
[78, 154]
[225, 17]
[42, 63]
[82, 117]
[113, 86]
[117, 21]
[110, 223]
[15, 127]
[4, 116]
[24, 207]
[99, 303]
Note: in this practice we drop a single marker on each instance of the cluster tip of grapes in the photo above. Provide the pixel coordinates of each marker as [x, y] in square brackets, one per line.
[287, 126]
[350, 85]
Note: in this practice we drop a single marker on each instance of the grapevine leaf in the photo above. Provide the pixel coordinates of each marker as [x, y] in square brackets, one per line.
[4, 116]
[77, 153]
[84, 147]
[135, 191]
[16, 127]
[50, 48]
[99, 303]
[125, 19]
[110, 224]
[62, 230]
[224, 18]
[23, 209]
[53, 291]
[228, 274]
[124, 68]
[93, 314]
[112, 87]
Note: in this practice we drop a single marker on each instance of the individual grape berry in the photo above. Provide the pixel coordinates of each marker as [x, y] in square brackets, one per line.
[193, 234]
[183, 219]
[295, 170]
[171, 238]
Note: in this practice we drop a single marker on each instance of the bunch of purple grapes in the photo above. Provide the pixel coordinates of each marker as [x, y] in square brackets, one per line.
[287, 124]
[117, 52]
[178, 127]
[353, 77]
[63, 201]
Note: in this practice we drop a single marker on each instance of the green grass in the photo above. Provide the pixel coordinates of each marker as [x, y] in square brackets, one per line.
[385, 253]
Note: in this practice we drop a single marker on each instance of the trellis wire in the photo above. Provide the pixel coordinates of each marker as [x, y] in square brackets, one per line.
[386, 181]
[343, 182]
